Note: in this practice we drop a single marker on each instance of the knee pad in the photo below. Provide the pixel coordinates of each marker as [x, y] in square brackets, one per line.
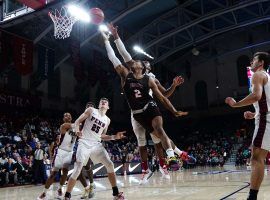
[155, 139]
[77, 170]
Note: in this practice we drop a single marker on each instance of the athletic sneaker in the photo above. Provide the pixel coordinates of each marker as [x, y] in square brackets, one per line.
[85, 194]
[189, 159]
[91, 191]
[120, 196]
[146, 176]
[42, 196]
[173, 163]
[164, 172]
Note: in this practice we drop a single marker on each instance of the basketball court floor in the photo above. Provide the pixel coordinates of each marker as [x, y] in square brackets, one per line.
[197, 184]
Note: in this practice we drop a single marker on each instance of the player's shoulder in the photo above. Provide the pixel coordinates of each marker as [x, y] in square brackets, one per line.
[260, 75]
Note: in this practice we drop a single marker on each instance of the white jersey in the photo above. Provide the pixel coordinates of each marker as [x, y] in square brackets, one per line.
[93, 127]
[154, 77]
[263, 105]
[68, 139]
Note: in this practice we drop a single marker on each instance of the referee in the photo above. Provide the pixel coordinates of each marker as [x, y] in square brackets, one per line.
[38, 166]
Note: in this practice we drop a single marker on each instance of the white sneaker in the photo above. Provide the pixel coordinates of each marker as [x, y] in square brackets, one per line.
[146, 176]
[164, 172]
[120, 196]
[42, 196]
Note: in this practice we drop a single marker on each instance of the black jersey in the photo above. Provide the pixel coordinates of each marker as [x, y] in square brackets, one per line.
[137, 91]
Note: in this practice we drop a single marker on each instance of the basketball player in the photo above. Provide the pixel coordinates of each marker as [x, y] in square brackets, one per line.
[137, 128]
[62, 156]
[136, 86]
[88, 189]
[260, 98]
[94, 130]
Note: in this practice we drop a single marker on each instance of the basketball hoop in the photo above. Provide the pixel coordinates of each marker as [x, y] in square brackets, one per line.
[63, 22]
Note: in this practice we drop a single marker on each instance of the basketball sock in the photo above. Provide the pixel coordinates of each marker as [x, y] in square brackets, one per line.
[144, 166]
[170, 153]
[68, 195]
[60, 187]
[178, 151]
[115, 191]
[252, 194]
[45, 190]
[161, 162]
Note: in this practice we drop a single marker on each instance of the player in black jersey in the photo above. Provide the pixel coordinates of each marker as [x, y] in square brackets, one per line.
[136, 86]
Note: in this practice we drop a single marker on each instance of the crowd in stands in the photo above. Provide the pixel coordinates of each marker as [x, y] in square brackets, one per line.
[24, 147]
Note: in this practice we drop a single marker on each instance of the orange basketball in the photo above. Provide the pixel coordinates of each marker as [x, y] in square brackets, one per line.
[97, 15]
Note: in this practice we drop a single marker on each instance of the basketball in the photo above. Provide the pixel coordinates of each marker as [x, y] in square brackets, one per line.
[97, 15]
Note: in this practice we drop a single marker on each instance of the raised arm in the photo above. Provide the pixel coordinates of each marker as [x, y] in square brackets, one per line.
[164, 100]
[178, 80]
[120, 46]
[82, 117]
[119, 68]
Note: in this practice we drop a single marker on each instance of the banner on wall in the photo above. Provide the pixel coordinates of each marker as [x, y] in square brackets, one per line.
[18, 100]
[45, 62]
[23, 55]
[76, 59]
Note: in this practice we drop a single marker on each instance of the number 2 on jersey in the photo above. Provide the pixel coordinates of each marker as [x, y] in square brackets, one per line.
[95, 128]
[138, 93]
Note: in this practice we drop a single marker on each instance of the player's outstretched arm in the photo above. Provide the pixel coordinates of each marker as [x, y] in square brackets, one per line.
[256, 95]
[119, 68]
[82, 117]
[164, 100]
[178, 80]
[120, 46]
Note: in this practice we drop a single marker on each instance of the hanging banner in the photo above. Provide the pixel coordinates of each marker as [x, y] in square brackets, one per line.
[23, 55]
[76, 59]
[45, 62]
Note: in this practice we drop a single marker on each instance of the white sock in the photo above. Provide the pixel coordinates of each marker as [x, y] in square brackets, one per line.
[60, 187]
[170, 153]
[87, 187]
[45, 190]
[178, 151]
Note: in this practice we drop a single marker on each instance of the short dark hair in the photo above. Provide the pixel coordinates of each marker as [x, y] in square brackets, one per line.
[263, 56]
[104, 98]
[90, 104]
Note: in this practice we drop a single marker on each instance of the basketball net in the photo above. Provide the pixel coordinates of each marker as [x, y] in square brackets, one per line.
[63, 22]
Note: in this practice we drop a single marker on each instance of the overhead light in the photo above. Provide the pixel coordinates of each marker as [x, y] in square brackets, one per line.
[138, 49]
[195, 51]
[79, 13]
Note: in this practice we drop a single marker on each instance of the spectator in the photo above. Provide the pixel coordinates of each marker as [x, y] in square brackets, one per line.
[11, 172]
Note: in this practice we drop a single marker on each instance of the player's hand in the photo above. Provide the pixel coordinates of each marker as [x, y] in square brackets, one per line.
[249, 115]
[230, 101]
[120, 135]
[105, 36]
[79, 133]
[114, 30]
[180, 113]
[178, 80]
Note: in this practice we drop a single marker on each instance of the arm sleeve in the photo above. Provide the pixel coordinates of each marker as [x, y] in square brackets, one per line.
[122, 50]
[112, 57]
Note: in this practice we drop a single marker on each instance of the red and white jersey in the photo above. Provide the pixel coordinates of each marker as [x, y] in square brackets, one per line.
[68, 139]
[93, 127]
[263, 105]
